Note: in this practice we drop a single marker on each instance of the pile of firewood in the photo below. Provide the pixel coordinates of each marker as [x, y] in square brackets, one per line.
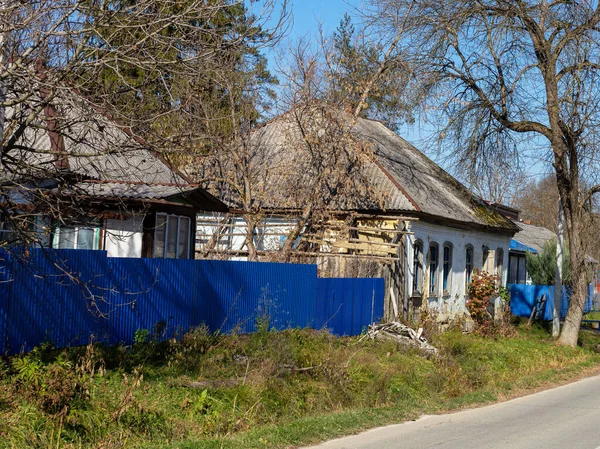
[401, 333]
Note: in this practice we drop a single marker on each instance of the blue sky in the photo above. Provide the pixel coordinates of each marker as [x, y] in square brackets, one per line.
[308, 13]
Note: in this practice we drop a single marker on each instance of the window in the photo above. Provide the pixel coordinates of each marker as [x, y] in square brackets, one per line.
[417, 267]
[517, 269]
[172, 236]
[499, 265]
[447, 269]
[77, 237]
[468, 263]
[485, 259]
[434, 260]
[7, 232]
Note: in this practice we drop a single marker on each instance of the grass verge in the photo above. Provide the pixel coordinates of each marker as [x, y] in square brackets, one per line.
[265, 390]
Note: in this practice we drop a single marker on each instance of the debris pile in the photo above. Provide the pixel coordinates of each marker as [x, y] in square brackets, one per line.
[401, 333]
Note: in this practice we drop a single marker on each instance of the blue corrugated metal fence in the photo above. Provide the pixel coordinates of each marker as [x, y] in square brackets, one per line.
[522, 298]
[66, 296]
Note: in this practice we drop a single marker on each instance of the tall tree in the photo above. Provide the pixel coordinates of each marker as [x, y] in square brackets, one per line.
[501, 72]
[191, 105]
[538, 202]
[368, 74]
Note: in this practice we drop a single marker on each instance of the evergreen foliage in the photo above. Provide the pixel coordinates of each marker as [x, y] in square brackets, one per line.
[356, 60]
[542, 266]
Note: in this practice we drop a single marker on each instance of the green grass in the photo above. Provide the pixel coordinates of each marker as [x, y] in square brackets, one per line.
[595, 315]
[266, 390]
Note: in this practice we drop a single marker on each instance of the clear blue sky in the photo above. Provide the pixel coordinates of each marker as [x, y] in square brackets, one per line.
[308, 13]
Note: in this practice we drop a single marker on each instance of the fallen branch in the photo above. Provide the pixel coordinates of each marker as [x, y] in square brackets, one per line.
[400, 333]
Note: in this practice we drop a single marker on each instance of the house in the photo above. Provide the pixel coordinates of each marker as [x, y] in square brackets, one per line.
[77, 180]
[529, 238]
[423, 231]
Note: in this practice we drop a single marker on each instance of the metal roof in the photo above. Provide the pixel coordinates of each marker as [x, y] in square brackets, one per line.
[118, 163]
[530, 237]
[408, 181]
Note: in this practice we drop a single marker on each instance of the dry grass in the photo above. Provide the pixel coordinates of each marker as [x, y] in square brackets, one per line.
[268, 389]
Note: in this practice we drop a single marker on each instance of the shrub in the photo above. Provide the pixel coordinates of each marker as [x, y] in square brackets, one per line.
[482, 289]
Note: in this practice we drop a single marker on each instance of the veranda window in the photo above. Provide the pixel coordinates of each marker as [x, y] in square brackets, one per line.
[77, 237]
[172, 236]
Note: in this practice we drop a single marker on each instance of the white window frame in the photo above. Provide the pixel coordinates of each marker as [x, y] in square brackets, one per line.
[433, 287]
[447, 246]
[179, 217]
[96, 245]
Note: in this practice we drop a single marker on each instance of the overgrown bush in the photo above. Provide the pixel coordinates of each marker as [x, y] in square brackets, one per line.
[483, 289]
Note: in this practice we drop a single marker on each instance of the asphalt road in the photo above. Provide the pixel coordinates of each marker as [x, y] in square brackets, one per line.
[567, 417]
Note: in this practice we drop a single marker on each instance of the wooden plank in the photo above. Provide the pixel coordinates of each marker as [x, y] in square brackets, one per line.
[383, 259]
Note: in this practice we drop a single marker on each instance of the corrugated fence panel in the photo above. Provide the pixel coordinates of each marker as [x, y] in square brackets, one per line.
[522, 298]
[65, 296]
[5, 295]
[56, 296]
[346, 306]
[237, 293]
[152, 294]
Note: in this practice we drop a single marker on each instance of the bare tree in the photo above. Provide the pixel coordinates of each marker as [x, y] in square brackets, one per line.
[511, 77]
[495, 181]
[538, 202]
[70, 70]
[307, 164]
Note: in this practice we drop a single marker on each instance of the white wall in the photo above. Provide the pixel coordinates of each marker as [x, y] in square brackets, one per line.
[270, 232]
[459, 239]
[123, 238]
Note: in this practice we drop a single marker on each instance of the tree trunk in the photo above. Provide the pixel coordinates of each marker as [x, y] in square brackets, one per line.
[3, 62]
[250, 231]
[570, 331]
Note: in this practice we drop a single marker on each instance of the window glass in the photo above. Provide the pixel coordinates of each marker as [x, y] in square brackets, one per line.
[433, 268]
[6, 230]
[184, 238]
[159, 235]
[172, 229]
[85, 238]
[417, 267]
[513, 266]
[522, 272]
[66, 238]
[485, 261]
[447, 268]
[469, 263]
[172, 236]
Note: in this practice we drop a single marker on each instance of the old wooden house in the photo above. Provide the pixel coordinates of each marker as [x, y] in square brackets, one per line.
[393, 213]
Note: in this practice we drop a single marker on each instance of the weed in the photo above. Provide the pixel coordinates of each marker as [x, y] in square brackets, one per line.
[229, 390]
